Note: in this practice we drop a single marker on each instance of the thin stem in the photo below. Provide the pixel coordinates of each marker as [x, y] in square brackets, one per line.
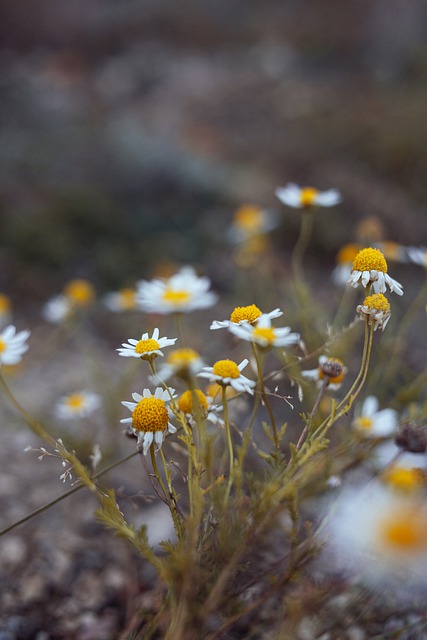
[179, 323]
[301, 245]
[229, 442]
[265, 397]
[314, 409]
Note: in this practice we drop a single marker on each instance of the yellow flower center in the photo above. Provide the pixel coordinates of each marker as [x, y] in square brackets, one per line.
[80, 292]
[378, 302]
[145, 346]
[150, 414]
[404, 530]
[75, 401]
[251, 313]
[176, 298]
[369, 260]
[226, 369]
[182, 357]
[2, 346]
[213, 390]
[330, 363]
[127, 299]
[363, 423]
[267, 333]
[347, 253]
[249, 218]
[308, 196]
[191, 400]
[401, 478]
[4, 303]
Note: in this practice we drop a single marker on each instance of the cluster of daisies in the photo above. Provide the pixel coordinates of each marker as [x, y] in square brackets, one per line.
[151, 414]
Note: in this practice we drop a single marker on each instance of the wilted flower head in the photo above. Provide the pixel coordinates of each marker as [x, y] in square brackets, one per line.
[332, 369]
[307, 197]
[12, 345]
[376, 310]
[181, 293]
[370, 268]
[411, 438]
[150, 416]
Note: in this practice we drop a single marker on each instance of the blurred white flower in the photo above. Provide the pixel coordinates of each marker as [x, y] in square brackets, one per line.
[307, 197]
[12, 345]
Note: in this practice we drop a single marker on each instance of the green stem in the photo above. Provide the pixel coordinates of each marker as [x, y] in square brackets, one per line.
[265, 397]
[229, 442]
[301, 245]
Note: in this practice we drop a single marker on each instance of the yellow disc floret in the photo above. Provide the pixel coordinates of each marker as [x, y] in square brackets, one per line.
[251, 313]
[249, 218]
[5, 305]
[308, 196]
[2, 346]
[404, 530]
[146, 346]
[175, 298]
[150, 414]
[378, 302]
[127, 298]
[226, 369]
[74, 401]
[79, 292]
[191, 400]
[363, 423]
[347, 253]
[266, 333]
[403, 479]
[370, 260]
[181, 358]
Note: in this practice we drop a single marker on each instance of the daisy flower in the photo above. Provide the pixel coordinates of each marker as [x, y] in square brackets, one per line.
[376, 310]
[12, 345]
[79, 404]
[264, 334]
[204, 405]
[146, 348]
[251, 220]
[344, 263]
[380, 536]
[57, 309]
[5, 309]
[417, 255]
[79, 292]
[122, 300]
[150, 417]
[181, 362]
[245, 315]
[227, 372]
[331, 368]
[370, 422]
[370, 268]
[181, 293]
[392, 250]
[307, 197]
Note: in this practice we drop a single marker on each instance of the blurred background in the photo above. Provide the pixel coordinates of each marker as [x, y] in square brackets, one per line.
[131, 131]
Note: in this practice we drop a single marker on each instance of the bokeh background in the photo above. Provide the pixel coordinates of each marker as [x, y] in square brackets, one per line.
[130, 132]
